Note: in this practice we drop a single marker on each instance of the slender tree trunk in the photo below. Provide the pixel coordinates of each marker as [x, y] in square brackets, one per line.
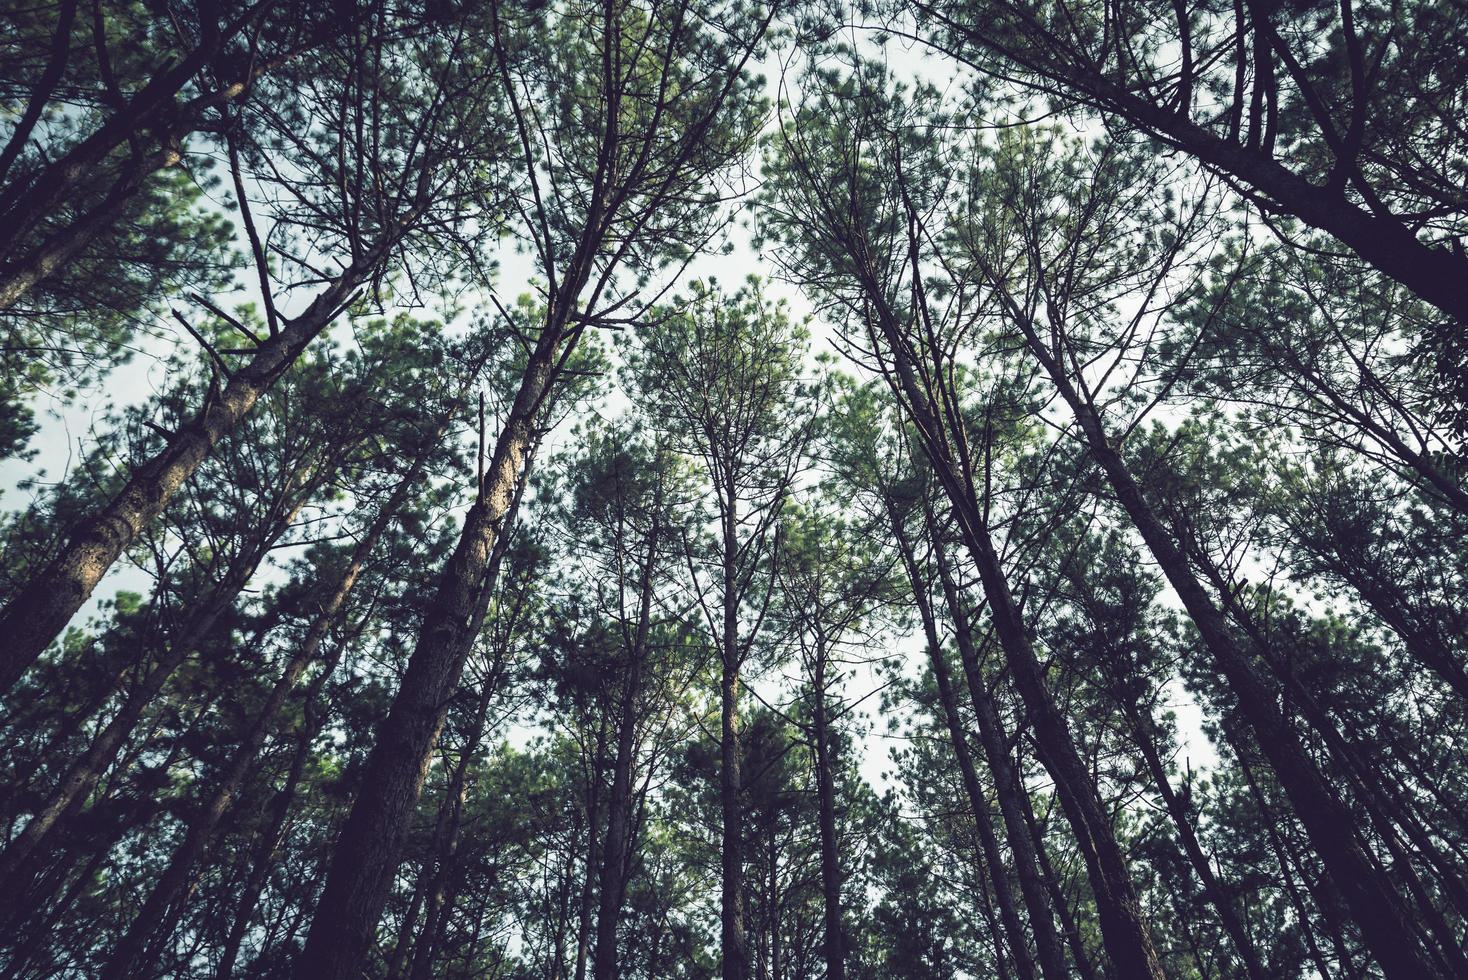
[40, 610]
[1288, 869]
[408, 928]
[1372, 901]
[593, 851]
[201, 829]
[268, 844]
[1373, 787]
[25, 202]
[1006, 780]
[83, 774]
[19, 276]
[367, 854]
[1051, 882]
[735, 948]
[986, 909]
[1123, 926]
[834, 945]
[447, 849]
[1188, 837]
[1425, 647]
[978, 803]
[617, 851]
[1384, 241]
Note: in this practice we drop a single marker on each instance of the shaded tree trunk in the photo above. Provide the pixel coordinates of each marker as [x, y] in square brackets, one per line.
[735, 957]
[1188, 837]
[1123, 925]
[205, 822]
[40, 610]
[617, 851]
[367, 853]
[978, 803]
[1372, 901]
[84, 773]
[268, 843]
[835, 940]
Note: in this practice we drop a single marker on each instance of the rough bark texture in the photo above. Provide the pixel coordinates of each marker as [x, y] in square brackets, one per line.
[1372, 901]
[201, 829]
[1008, 787]
[367, 853]
[988, 841]
[38, 613]
[84, 773]
[1123, 926]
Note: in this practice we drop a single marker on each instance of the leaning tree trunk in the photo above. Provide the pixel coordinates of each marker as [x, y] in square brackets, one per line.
[735, 947]
[37, 614]
[25, 202]
[367, 853]
[978, 803]
[1372, 901]
[992, 736]
[1435, 273]
[201, 829]
[1188, 837]
[1123, 925]
[83, 774]
[447, 846]
[268, 844]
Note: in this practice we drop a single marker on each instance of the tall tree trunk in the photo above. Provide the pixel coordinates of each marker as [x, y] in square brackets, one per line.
[734, 946]
[616, 853]
[19, 276]
[82, 775]
[26, 201]
[1289, 871]
[206, 819]
[1051, 881]
[367, 853]
[1008, 786]
[447, 847]
[1372, 901]
[268, 844]
[834, 944]
[944, 442]
[1188, 837]
[978, 803]
[1381, 240]
[586, 901]
[40, 610]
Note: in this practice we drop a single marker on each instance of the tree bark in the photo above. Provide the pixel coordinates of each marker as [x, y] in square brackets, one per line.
[269, 843]
[735, 960]
[1123, 926]
[1188, 837]
[617, 850]
[201, 829]
[447, 848]
[1434, 273]
[992, 737]
[1372, 901]
[834, 945]
[978, 803]
[367, 853]
[36, 614]
[84, 773]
